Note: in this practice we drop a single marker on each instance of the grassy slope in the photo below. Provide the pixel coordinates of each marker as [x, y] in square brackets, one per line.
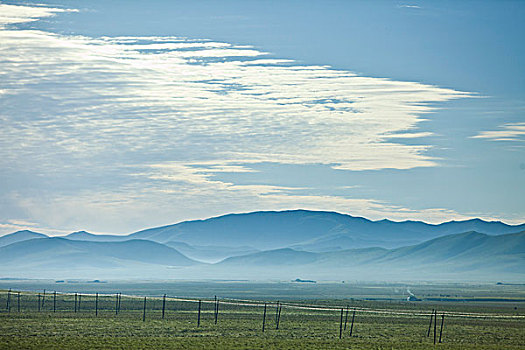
[242, 331]
[19, 236]
[240, 327]
[60, 251]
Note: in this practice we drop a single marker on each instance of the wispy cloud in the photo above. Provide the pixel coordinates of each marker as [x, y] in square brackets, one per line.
[507, 132]
[409, 6]
[191, 97]
[149, 110]
[11, 14]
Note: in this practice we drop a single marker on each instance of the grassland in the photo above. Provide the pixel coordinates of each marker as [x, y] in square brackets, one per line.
[379, 324]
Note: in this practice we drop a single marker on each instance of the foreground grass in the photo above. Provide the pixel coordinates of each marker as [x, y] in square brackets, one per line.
[404, 326]
[241, 329]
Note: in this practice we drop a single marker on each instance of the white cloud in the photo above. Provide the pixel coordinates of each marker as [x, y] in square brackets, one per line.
[169, 113]
[11, 14]
[409, 6]
[95, 96]
[508, 132]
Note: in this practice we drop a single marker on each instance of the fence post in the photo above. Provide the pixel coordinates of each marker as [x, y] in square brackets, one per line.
[441, 330]
[76, 297]
[55, 301]
[18, 302]
[352, 325]
[199, 314]
[215, 307]
[8, 305]
[144, 312]
[279, 317]
[116, 304]
[44, 299]
[346, 318]
[119, 300]
[264, 317]
[435, 325]
[341, 324]
[276, 312]
[96, 304]
[163, 305]
[217, 314]
[39, 296]
[430, 324]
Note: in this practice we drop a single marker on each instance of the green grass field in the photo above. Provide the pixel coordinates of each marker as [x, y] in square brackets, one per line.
[387, 324]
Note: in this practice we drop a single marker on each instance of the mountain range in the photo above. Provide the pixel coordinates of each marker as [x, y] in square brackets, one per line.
[269, 245]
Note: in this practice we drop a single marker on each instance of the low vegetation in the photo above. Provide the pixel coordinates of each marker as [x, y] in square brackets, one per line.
[113, 323]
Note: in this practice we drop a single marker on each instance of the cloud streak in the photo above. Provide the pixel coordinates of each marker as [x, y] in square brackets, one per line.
[178, 96]
[507, 132]
[153, 108]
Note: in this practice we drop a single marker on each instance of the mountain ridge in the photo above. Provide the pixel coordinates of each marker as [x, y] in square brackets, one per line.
[457, 256]
[306, 230]
[42, 250]
[234, 229]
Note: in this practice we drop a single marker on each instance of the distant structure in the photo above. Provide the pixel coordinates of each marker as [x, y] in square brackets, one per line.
[411, 296]
[298, 280]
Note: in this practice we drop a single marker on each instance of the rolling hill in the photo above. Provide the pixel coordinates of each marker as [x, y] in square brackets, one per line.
[464, 256]
[19, 236]
[86, 236]
[61, 252]
[315, 231]
[303, 229]
[288, 244]
[459, 254]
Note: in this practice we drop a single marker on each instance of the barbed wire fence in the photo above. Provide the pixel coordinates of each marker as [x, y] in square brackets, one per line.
[167, 307]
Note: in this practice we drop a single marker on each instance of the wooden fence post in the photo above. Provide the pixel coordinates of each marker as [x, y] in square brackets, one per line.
[264, 317]
[119, 301]
[144, 312]
[116, 304]
[199, 314]
[276, 312]
[55, 301]
[441, 328]
[435, 325]
[163, 305]
[18, 301]
[352, 325]
[346, 318]
[217, 314]
[216, 309]
[279, 316]
[96, 304]
[430, 324]
[39, 296]
[76, 297]
[341, 324]
[8, 305]
[44, 299]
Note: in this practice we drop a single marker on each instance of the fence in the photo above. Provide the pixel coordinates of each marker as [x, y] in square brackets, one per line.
[216, 310]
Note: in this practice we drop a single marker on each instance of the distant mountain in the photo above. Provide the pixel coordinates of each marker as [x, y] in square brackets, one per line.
[462, 253]
[463, 256]
[19, 236]
[267, 245]
[312, 230]
[208, 253]
[64, 253]
[339, 241]
[86, 236]
[278, 257]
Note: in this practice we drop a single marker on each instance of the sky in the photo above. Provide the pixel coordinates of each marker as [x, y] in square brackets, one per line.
[123, 115]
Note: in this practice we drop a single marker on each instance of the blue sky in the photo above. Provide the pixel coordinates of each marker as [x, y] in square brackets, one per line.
[121, 116]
